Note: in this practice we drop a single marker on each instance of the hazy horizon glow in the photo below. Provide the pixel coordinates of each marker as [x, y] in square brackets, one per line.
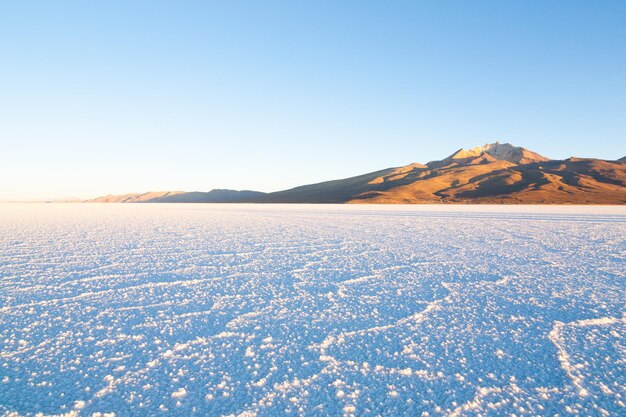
[119, 97]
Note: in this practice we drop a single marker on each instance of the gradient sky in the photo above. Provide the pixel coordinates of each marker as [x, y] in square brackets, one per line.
[130, 96]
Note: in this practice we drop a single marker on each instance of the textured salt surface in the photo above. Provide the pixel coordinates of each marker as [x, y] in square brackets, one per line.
[312, 310]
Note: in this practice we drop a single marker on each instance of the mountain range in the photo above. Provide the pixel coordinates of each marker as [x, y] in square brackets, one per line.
[497, 173]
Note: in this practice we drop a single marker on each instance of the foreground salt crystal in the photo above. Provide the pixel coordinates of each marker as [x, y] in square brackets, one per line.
[311, 310]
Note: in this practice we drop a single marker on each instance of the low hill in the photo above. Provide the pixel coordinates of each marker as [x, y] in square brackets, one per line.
[213, 196]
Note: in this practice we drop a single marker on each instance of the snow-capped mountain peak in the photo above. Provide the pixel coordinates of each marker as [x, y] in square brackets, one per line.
[500, 151]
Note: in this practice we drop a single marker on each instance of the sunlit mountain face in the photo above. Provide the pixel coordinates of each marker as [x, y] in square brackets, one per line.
[497, 173]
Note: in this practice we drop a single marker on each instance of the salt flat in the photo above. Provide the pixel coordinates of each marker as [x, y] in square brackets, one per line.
[270, 310]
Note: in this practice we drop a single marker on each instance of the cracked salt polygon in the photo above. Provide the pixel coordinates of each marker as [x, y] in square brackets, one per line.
[457, 309]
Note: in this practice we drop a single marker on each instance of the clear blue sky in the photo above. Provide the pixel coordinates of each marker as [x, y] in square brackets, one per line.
[123, 96]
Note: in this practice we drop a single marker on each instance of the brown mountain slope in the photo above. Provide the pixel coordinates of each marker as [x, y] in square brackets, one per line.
[573, 181]
[494, 173]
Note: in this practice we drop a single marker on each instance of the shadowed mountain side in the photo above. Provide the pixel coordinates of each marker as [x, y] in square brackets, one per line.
[493, 173]
[336, 191]
[213, 196]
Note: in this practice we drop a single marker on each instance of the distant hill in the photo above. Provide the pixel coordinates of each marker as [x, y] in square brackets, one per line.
[494, 173]
[135, 197]
[213, 196]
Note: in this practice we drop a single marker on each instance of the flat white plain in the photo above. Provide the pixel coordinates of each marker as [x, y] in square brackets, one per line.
[271, 310]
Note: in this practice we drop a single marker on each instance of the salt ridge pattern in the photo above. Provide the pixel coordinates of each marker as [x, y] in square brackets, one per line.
[266, 310]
